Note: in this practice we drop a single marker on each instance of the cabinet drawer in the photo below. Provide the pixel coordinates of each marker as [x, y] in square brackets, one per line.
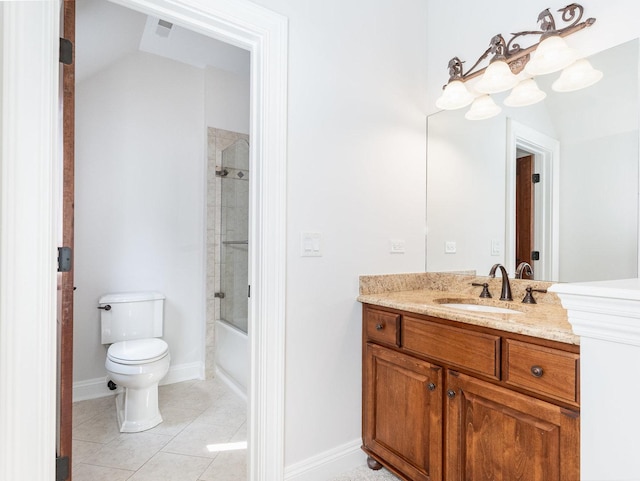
[543, 370]
[475, 351]
[382, 327]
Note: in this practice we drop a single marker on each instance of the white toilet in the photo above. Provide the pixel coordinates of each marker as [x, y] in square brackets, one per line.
[137, 360]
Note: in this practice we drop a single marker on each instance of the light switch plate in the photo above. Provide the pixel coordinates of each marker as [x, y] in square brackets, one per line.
[396, 246]
[450, 247]
[310, 244]
[496, 247]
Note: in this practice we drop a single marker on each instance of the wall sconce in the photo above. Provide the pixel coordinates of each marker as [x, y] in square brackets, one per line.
[514, 68]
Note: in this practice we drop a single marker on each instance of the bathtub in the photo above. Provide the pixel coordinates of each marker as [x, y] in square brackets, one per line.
[232, 357]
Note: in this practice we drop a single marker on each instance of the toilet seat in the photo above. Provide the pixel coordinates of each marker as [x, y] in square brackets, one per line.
[139, 351]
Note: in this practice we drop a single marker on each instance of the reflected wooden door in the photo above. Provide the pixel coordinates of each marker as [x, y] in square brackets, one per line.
[524, 209]
[65, 279]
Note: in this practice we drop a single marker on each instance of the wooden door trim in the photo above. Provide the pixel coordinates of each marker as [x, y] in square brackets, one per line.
[65, 279]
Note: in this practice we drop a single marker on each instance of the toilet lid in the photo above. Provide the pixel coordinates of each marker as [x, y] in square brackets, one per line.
[138, 351]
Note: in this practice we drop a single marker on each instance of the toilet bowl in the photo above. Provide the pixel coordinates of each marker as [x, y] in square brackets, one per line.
[138, 366]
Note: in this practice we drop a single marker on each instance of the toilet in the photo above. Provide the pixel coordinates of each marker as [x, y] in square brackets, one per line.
[137, 359]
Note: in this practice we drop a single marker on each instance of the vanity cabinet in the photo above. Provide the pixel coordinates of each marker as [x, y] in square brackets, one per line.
[446, 401]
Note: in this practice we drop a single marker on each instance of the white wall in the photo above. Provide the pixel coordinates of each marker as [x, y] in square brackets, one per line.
[140, 199]
[227, 100]
[356, 173]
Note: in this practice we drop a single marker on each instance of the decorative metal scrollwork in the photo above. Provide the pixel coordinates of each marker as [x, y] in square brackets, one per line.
[517, 56]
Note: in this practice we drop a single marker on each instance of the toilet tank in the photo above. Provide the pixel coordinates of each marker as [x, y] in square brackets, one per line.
[131, 315]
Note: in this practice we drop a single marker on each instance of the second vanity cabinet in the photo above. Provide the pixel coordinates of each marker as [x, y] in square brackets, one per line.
[447, 401]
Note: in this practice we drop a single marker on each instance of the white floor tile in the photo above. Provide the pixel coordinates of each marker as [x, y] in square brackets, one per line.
[129, 451]
[85, 410]
[81, 450]
[172, 467]
[87, 472]
[99, 429]
[174, 420]
[228, 466]
[200, 440]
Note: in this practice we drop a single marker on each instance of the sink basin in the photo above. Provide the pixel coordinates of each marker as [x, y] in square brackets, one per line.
[480, 308]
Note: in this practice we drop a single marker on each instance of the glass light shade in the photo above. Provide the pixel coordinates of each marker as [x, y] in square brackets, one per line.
[455, 96]
[496, 78]
[482, 108]
[577, 76]
[525, 93]
[553, 54]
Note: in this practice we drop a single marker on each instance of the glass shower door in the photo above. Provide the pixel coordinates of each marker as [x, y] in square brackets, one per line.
[234, 248]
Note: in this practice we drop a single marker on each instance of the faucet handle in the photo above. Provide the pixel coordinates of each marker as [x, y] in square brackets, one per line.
[485, 289]
[528, 298]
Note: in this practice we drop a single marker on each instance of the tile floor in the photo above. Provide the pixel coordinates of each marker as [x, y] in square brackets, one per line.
[202, 438]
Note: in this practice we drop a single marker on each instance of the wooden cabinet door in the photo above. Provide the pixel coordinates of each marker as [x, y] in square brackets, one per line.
[402, 412]
[494, 434]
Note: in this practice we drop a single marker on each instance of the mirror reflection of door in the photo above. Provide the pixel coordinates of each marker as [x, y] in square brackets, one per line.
[524, 210]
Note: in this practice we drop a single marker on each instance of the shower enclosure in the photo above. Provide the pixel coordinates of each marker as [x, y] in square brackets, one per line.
[234, 249]
[227, 346]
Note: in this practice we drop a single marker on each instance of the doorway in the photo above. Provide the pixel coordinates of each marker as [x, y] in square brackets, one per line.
[525, 211]
[248, 26]
[545, 152]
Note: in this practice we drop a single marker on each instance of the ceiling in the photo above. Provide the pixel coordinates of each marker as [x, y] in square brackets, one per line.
[106, 32]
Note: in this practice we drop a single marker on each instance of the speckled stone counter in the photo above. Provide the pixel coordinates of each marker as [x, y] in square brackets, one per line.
[425, 293]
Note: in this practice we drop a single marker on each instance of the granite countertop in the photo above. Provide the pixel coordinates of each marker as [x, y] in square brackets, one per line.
[425, 293]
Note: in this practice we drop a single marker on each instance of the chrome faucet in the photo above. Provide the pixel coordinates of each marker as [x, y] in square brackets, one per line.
[524, 268]
[505, 293]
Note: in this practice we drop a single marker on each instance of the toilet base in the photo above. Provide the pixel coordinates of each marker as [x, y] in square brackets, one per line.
[137, 409]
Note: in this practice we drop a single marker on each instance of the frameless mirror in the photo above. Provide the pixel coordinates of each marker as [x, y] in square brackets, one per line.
[583, 212]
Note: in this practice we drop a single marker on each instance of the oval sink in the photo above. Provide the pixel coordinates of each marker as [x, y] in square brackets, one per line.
[481, 308]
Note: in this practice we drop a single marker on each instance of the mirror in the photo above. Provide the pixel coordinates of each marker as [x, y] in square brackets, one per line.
[585, 208]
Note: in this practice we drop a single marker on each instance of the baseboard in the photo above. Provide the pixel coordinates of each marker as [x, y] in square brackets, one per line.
[328, 464]
[184, 372]
[91, 389]
[97, 387]
[230, 382]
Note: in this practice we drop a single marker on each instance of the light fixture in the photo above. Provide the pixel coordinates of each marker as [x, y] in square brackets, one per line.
[525, 93]
[552, 55]
[577, 76]
[509, 59]
[483, 107]
[498, 76]
[455, 96]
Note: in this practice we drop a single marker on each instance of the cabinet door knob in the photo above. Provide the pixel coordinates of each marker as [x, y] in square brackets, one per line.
[379, 327]
[537, 371]
[431, 386]
[451, 393]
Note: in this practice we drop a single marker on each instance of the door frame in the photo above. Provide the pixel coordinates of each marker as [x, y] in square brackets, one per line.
[29, 209]
[546, 151]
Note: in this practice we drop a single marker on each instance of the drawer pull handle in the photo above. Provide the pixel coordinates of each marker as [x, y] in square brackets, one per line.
[431, 386]
[537, 371]
[451, 393]
[379, 327]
